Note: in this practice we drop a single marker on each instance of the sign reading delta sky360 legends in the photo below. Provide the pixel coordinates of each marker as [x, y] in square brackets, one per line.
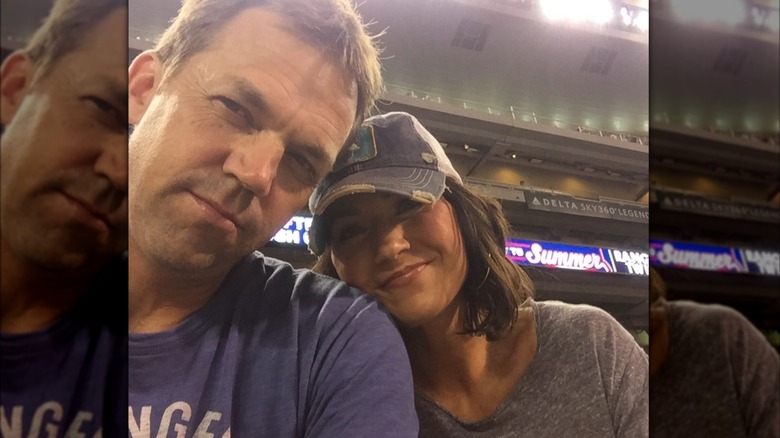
[562, 203]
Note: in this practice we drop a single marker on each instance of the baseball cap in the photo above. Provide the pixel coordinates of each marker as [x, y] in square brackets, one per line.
[392, 153]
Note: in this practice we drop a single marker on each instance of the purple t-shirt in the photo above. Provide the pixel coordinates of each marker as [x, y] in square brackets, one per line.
[70, 379]
[277, 352]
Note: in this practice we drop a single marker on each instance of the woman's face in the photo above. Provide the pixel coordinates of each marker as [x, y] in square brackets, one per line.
[409, 255]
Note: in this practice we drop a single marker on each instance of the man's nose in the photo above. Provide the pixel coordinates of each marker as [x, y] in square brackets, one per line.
[255, 162]
[112, 162]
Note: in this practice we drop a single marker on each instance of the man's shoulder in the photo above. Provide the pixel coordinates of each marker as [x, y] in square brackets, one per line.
[278, 276]
[275, 284]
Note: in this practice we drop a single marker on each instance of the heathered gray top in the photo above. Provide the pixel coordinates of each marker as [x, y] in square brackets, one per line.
[588, 379]
[719, 379]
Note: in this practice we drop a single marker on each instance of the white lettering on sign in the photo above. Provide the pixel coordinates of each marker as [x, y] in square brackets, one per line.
[295, 231]
[514, 252]
[560, 203]
[635, 262]
[768, 262]
[565, 259]
[698, 260]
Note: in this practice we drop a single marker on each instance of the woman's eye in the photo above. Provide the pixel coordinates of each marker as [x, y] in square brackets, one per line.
[345, 233]
[408, 206]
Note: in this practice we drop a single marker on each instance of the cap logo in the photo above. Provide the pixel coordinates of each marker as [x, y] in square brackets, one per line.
[428, 157]
[363, 149]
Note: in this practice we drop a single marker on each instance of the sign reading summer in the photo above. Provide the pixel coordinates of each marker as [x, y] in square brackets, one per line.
[581, 258]
[714, 258]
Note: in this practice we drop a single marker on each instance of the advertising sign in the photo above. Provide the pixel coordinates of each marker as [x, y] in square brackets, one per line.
[700, 204]
[295, 232]
[582, 258]
[762, 262]
[562, 203]
[696, 256]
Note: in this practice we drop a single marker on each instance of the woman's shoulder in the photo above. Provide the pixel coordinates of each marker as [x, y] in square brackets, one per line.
[576, 317]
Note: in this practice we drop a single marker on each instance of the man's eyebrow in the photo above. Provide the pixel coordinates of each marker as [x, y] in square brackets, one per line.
[249, 93]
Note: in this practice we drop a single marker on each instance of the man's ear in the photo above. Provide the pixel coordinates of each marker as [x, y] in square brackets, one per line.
[144, 78]
[16, 75]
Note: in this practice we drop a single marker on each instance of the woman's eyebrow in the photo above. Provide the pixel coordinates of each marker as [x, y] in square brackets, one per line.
[340, 213]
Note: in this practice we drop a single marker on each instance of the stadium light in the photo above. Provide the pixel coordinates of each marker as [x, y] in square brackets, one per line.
[595, 11]
[641, 21]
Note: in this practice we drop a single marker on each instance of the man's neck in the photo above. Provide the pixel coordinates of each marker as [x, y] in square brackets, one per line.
[160, 298]
[33, 297]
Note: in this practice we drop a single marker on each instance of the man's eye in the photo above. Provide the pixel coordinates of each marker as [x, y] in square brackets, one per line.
[107, 112]
[103, 105]
[235, 108]
[309, 172]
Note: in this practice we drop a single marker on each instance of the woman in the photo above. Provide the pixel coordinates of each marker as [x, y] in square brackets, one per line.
[394, 219]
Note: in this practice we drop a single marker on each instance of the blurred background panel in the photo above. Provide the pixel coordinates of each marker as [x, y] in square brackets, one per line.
[18, 22]
[715, 160]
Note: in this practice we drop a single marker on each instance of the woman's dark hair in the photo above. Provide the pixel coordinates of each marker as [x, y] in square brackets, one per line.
[494, 287]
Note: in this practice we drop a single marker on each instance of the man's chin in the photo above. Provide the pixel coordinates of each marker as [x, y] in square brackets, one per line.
[197, 261]
[64, 262]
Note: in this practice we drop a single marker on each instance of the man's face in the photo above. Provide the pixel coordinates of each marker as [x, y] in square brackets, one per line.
[230, 146]
[64, 154]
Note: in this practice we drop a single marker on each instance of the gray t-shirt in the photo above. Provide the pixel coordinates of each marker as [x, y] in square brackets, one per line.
[720, 378]
[588, 379]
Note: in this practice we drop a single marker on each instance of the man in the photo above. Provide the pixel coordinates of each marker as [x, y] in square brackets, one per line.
[63, 209]
[239, 111]
[712, 373]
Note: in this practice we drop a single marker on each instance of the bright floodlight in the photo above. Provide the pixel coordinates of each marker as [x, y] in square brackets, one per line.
[625, 16]
[641, 21]
[596, 11]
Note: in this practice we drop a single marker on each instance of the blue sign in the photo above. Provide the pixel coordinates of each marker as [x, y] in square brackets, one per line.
[714, 258]
[295, 232]
[582, 258]
[762, 262]
[696, 256]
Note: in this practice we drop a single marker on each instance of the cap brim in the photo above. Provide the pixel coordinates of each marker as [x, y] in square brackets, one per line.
[422, 185]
